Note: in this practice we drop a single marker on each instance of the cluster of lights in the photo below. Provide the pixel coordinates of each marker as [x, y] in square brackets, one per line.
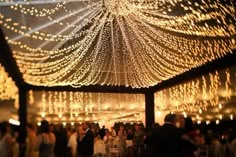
[116, 42]
[8, 89]
[49, 8]
[34, 33]
[196, 96]
[218, 119]
[80, 106]
[34, 11]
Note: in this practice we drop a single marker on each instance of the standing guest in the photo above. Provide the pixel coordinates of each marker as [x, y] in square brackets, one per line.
[233, 144]
[85, 143]
[108, 140]
[138, 141]
[15, 147]
[121, 135]
[107, 136]
[61, 141]
[31, 140]
[113, 132]
[189, 142]
[46, 140]
[72, 143]
[148, 135]
[129, 143]
[165, 140]
[6, 140]
[225, 150]
[102, 132]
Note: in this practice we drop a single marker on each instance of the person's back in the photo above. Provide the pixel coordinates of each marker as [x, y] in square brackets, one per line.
[165, 140]
[168, 141]
[5, 142]
[138, 136]
[61, 141]
[138, 141]
[46, 147]
[46, 141]
[102, 132]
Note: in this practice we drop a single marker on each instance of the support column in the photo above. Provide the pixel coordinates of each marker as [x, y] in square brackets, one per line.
[22, 112]
[149, 109]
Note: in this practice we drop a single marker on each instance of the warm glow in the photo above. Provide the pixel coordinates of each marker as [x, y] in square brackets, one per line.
[221, 117]
[115, 42]
[14, 122]
[86, 106]
[204, 93]
[8, 89]
[185, 115]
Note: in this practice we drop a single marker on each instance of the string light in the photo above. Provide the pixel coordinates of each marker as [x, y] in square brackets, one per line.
[228, 90]
[197, 95]
[93, 106]
[116, 42]
[8, 88]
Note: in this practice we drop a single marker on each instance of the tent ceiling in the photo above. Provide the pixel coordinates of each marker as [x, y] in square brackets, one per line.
[128, 43]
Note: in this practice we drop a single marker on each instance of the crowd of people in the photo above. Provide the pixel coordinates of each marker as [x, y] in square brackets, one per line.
[177, 137]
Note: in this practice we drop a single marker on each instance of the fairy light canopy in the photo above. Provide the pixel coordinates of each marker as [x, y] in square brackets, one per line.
[132, 43]
[206, 98]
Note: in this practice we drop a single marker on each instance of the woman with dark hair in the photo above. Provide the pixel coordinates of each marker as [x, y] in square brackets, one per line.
[6, 140]
[189, 142]
[46, 140]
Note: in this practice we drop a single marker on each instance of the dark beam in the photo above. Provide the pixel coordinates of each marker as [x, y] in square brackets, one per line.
[149, 109]
[218, 64]
[22, 112]
[91, 88]
[7, 60]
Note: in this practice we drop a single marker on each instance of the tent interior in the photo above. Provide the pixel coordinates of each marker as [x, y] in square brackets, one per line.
[94, 60]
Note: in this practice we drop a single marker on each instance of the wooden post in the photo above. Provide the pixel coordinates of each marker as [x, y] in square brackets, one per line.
[22, 112]
[149, 109]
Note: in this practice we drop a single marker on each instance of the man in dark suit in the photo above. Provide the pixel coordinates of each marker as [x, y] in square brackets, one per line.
[86, 143]
[165, 140]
